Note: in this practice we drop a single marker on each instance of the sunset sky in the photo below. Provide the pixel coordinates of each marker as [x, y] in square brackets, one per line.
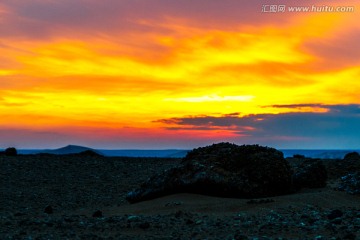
[158, 74]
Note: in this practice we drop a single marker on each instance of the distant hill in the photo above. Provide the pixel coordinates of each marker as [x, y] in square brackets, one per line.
[70, 149]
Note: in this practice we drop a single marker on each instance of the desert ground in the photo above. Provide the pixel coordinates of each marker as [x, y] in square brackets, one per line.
[83, 197]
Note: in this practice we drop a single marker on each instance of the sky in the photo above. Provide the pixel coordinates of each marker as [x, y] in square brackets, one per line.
[160, 74]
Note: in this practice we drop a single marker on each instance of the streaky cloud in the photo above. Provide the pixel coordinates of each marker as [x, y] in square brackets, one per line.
[341, 123]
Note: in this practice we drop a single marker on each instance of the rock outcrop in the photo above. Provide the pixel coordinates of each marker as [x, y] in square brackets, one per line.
[224, 169]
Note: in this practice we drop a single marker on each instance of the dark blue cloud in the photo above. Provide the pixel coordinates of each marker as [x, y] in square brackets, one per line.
[337, 128]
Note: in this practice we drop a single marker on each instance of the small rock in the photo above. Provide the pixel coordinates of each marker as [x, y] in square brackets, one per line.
[97, 214]
[336, 221]
[144, 225]
[198, 222]
[68, 219]
[350, 236]
[189, 222]
[133, 218]
[179, 214]
[49, 210]
[240, 237]
[19, 214]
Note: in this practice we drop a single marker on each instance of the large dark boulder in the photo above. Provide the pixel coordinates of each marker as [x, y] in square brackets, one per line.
[352, 156]
[349, 168]
[11, 151]
[339, 168]
[310, 174]
[225, 170]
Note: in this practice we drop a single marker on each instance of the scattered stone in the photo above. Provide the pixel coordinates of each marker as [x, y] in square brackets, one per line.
[350, 183]
[335, 214]
[224, 170]
[97, 214]
[49, 210]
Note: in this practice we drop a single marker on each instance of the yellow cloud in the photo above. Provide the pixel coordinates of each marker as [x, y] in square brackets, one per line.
[4, 72]
[212, 98]
[191, 71]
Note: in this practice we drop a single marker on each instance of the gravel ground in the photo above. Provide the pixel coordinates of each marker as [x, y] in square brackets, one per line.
[83, 197]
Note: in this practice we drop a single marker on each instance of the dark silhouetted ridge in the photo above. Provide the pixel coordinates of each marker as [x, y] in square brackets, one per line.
[70, 149]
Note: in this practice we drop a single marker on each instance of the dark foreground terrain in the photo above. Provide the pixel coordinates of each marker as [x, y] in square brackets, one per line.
[83, 197]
